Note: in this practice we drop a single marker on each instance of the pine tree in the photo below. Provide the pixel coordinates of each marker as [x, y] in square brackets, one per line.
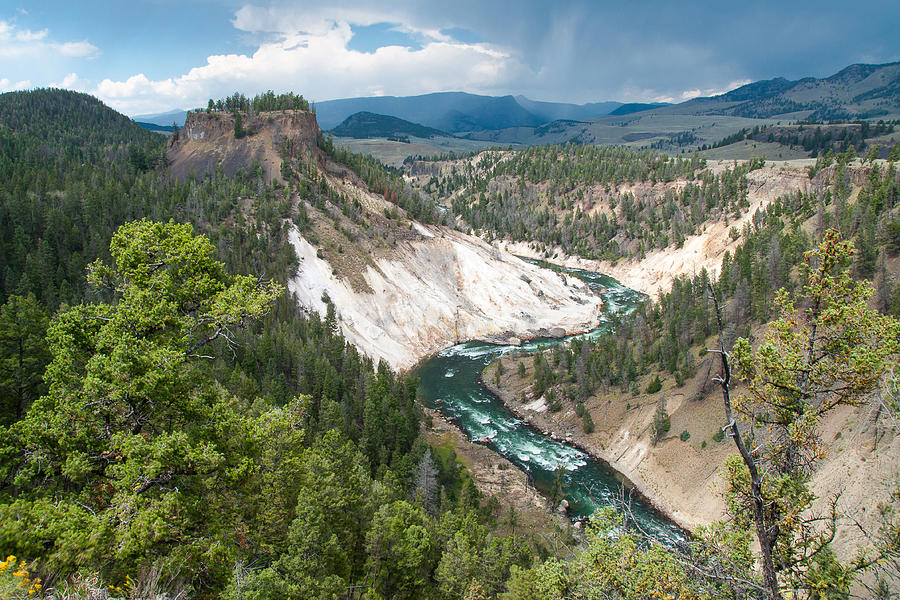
[662, 423]
[831, 352]
[427, 483]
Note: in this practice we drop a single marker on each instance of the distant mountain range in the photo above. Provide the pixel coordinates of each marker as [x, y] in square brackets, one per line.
[857, 92]
[633, 107]
[155, 127]
[456, 112]
[860, 91]
[165, 119]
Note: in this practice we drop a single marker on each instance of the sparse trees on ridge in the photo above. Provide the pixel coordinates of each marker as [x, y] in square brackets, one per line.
[267, 101]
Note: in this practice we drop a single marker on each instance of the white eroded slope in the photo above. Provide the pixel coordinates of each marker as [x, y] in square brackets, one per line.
[442, 289]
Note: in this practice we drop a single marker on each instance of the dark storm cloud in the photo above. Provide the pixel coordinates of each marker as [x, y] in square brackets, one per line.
[586, 50]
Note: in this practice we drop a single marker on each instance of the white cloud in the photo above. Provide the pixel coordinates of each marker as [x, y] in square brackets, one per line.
[29, 36]
[310, 56]
[696, 93]
[72, 82]
[692, 93]
[6, 86]
[305, 48]
[22, 44]
[78, 49]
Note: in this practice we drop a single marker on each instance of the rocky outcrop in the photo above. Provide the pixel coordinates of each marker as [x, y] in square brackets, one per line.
[207, 140]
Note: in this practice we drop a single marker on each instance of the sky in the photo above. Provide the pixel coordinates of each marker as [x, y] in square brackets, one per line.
[151, 56]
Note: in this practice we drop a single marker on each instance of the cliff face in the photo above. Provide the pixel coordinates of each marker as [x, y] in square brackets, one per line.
[208, 140]
[443, 288]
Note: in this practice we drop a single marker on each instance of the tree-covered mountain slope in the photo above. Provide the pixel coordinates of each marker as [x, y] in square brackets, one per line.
[177, 426]
[370, 125]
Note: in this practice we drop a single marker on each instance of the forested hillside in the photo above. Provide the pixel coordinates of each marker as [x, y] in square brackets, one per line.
[173, 425]
[191, 423]
[591, 202]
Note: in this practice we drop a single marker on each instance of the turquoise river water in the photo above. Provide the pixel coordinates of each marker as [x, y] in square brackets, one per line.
[451, 381]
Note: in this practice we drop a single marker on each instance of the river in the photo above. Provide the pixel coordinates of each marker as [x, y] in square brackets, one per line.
[451, 381]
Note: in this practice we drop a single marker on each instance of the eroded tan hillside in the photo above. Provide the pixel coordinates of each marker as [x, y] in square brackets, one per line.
[440, 289]
[208, 141]
[656, 271]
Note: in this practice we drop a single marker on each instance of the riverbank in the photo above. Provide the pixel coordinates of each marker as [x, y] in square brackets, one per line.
[679, 478]
[492, 474]
[496, 477]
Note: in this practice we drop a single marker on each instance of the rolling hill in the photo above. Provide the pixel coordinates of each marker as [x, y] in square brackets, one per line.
[860, 91]
[456, 112]
[364, 125]
[165, 119]
[448, 111]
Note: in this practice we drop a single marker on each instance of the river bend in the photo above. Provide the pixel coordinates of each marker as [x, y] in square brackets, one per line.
[451, 381]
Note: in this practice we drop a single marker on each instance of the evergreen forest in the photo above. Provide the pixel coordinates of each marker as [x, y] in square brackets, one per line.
[174, 425]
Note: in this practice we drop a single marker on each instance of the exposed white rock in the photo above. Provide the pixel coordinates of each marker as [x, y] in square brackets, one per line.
[537, 405]
[441, 290]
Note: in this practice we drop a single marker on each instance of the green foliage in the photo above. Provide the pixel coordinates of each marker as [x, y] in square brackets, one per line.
[654, 386]
[402, 551]
[894, 156]
[556, 494]
[387, 182]
[238, 103]
[128, 420]
[239, 130]
[662, 423]
[615, 564]
[685, 435]
[23, 355]
[587, 422]
[472, 555]
[831, 351]
[324, 545]
[544, 376]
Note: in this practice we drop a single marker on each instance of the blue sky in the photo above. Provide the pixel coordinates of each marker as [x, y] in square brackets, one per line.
[155, 55]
